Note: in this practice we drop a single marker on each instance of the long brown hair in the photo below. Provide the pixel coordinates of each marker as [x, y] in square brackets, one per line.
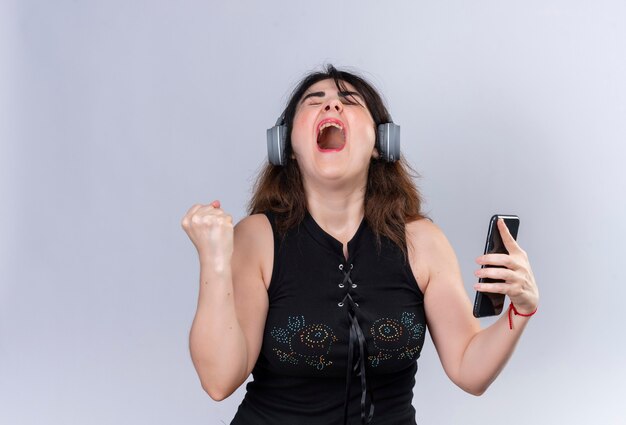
[391, 197]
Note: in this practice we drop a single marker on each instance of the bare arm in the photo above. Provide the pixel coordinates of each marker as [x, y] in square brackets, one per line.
[471, 357]
[227, 330]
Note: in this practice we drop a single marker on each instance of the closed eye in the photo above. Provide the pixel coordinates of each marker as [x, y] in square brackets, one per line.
[344, 100]
[347, 101]
[350, 98]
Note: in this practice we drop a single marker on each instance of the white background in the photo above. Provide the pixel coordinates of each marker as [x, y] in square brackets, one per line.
[117, 116]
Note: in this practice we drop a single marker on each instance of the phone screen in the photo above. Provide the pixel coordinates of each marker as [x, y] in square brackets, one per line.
[488, 304]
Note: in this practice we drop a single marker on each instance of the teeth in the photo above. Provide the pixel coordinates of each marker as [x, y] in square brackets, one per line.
[330, 124]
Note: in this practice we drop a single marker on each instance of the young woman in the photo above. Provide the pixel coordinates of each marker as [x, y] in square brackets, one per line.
[325, 291]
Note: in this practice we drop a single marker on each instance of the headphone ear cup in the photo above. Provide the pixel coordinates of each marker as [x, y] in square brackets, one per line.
[276, 140]
[389, 141]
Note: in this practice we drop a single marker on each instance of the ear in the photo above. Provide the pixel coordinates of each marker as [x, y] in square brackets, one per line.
[375, 153]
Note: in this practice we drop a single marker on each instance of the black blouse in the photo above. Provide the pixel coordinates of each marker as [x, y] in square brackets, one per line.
[341, 338]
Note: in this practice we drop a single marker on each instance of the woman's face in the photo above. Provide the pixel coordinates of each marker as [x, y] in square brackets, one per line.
[333, 133]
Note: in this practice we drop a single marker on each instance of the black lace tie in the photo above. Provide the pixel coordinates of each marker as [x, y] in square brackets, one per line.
[356, 338]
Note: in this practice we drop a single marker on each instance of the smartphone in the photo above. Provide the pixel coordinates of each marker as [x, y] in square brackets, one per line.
[485, 303]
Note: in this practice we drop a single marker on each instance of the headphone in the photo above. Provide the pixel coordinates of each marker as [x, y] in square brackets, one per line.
[387, 142]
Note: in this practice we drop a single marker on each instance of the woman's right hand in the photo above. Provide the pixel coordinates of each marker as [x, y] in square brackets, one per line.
[211, 231]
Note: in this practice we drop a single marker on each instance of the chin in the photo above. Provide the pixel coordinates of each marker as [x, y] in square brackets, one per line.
[338, 173]
[331, 173]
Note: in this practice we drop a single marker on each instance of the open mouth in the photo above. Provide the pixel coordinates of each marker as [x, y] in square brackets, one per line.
[330, 136]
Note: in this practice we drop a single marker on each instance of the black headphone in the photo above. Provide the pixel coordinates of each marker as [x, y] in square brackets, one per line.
[387, 142]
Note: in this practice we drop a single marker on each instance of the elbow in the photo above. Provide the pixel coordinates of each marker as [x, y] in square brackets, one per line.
[471, 385]
[218, 386]
[217, 396]
[216, 393]
[475, 389]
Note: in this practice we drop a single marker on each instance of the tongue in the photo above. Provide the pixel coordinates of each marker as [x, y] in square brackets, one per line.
[331, 138]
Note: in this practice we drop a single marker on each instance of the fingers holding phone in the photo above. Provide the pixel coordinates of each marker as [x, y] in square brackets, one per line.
[505, 270]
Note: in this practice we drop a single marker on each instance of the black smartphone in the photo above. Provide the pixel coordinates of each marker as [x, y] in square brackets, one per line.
[485, 303]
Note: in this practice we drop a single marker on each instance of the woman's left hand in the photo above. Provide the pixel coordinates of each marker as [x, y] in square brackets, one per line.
[519, 282]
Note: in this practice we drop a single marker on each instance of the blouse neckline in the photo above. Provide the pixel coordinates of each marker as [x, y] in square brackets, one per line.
[328, 241]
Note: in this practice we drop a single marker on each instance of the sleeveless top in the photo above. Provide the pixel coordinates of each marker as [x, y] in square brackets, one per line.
[341, 338]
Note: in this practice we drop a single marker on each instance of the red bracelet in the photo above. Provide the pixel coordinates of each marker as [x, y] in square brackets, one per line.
[517, 313]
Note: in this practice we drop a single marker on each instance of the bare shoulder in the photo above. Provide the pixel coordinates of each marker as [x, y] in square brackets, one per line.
[423, 233]
[253, 224]
[254, 243]
[419, 229]
[253, 232]
[428, 249]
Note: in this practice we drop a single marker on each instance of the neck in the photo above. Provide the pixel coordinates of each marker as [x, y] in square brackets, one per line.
[338, 210]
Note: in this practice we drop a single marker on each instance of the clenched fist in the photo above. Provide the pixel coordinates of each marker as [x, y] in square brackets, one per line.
[211, 231]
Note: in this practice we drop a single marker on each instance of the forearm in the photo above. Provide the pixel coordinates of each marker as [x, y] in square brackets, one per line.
[488, 352]
[216, 340]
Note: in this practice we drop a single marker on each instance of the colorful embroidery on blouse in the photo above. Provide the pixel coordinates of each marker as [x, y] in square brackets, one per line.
[309, 343]
[396, 338]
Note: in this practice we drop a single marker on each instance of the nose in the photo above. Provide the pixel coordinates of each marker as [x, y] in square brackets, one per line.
[334, 104]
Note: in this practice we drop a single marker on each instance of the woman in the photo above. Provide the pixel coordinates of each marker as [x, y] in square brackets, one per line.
[324, 292]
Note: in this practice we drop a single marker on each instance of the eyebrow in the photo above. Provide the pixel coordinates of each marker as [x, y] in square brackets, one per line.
[322, 94]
